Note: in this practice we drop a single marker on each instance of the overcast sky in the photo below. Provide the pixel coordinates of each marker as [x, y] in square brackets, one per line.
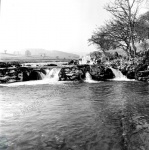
[63, 25]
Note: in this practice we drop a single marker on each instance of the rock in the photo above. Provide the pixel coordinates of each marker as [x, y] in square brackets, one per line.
[7, 79]
[26, 76]
[62, 75]
[43, 71]
[108, 74]
[71, 74]
[145, 79]
[141, 67]
[130, 75]
[124, 71]
[143, 73]
[71, 62]
[51, 65]
[97, 72]
[35, 75]
[4, 79]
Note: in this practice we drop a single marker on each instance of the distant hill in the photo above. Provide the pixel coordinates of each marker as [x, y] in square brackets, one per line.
[3, 55]
[52, 54]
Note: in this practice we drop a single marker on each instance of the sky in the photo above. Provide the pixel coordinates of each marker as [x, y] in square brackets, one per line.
[64, 25]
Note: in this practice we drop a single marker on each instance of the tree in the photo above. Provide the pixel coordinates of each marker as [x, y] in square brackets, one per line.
[120, 31]
[102, 39]
[96, 55]
[126, 11]
[113, 35]
[142, 27]
[27, 53]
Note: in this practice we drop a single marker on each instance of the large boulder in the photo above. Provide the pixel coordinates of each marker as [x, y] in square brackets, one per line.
[25, 76]
[43, 71]
[130, 74]
[71, 74]
[97, 72]
[108, 74]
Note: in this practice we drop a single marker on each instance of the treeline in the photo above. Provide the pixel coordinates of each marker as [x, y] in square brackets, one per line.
[125, 29]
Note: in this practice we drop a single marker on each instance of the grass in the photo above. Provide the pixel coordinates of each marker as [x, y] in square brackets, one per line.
[31, 59]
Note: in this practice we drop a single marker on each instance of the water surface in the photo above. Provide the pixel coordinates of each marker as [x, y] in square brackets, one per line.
[82, 116]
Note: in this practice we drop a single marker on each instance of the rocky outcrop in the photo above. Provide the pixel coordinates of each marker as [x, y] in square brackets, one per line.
[101, 73]
[133, 69]
[72, 73]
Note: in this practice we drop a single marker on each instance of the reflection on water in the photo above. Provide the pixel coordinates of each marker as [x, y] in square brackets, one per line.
[81, 116]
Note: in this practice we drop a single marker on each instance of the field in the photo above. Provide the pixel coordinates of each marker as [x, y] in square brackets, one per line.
[31, 59]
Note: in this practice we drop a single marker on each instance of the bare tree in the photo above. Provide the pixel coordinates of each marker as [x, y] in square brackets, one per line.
[113, 35]
[126, 11]
[102, 39]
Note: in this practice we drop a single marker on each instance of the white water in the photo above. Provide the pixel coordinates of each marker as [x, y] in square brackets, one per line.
[42, 75]
[86, 60]
[53, 75]
[51, 78]
[119, 76]
[89, 79]
[47, 71]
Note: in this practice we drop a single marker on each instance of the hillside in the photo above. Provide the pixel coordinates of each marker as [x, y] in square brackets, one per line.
[38, 55]
[52, 54]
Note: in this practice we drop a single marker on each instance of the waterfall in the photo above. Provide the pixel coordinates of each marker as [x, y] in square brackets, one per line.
[118, 75]
[47, 71]
[89, 79]
[52, 75]
[42, 75]
[50, 78]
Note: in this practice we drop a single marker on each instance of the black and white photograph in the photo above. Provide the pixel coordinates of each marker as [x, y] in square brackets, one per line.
[74, 74]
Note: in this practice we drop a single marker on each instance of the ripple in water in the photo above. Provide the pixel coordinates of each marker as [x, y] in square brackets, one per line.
[81, 116]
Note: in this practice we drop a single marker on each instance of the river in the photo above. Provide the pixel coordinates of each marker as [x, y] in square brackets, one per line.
[111, 115]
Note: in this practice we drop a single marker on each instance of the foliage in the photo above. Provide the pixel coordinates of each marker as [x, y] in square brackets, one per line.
[102, 39]
[142, 27]
[95, 55]
[120, 31]
[145, 45]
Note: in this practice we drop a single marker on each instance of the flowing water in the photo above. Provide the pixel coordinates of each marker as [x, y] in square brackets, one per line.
[88, 78]
[43, 115]
[119, 76]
